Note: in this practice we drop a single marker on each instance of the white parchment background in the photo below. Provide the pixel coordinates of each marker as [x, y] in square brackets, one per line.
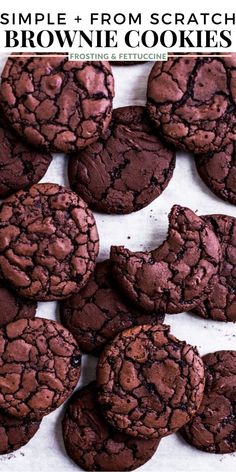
[146, 229]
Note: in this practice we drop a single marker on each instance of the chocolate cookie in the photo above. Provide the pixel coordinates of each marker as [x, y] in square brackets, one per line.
[214, 426]
[48, 242]
[13, 307]
[99, 311]
[39, 367]
[150, 383]
[15, 432]
[20, 166]
[93, 444]
[218, 171]
[192, 101]
[126, 169]
[55, 103]
[220, 303]
[177, 275]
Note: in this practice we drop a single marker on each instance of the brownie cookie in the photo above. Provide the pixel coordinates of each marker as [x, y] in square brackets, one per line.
[99, 311]
[93, 444]
[149, 383]
[218, 171]
[55, 103]
[48, 242]
[13, 307]
[177, 275]
[39, 367]
[126, 169]
[192, 101]
[214, 426]
[15, 432]
[220, 303]
[20, 166]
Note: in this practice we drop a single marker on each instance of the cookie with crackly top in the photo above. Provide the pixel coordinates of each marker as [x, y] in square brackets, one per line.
[220, 304]
[20, 165]
[13, 307]
[127, 168]
[48, 242]
[93, 444]
[218, 172]
[177, 275]
[39, 367]
[15, 432]
[213, 428]
[99, 311]
[55, 103]
[149, 383]
[192, 101]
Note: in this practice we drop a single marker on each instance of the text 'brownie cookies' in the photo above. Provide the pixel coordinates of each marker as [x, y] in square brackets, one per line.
[13, 307]
[15, 432]
[39, 367]
[218, 171]
[126, 169]
[177, 275]
[192, 101]
[93, 444]
[48, 242]
[99, 311]
[220, 303]
[55, 103]
[149, 383]
[213, 429]
[20, 165]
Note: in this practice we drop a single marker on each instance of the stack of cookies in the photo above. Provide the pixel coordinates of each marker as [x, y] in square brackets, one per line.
[148, 383]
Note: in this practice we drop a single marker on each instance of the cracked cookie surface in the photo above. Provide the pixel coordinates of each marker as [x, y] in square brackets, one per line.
[20, 165]
[177, 275]
[149, 383]
[13, 307]
[218, 172]
[220, 303]
[214, 426]
[55, 103]
[126, 169]
[39, 367]
[15, 432]
[93, 444]
[192, 101]
[99, 311]
[48, 242]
